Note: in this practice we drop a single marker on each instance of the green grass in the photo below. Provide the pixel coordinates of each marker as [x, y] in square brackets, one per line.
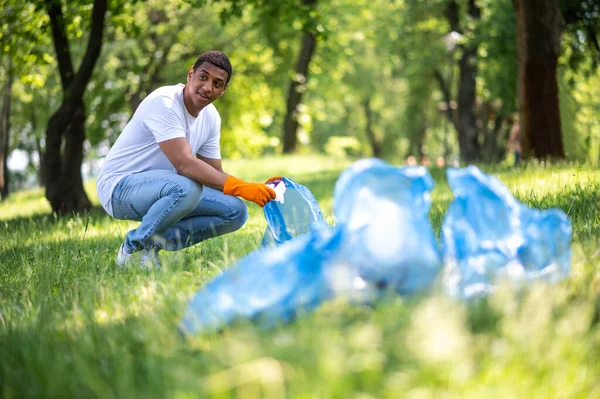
[72, 324]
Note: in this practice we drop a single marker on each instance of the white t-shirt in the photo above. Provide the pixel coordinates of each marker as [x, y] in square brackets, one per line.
[161, 116]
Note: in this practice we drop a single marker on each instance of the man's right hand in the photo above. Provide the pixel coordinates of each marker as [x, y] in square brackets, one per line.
[255, 192]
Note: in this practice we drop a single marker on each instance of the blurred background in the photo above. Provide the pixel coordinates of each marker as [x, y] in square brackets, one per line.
[432, 82]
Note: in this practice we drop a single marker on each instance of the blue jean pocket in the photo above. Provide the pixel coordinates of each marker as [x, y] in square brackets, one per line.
[125, 211]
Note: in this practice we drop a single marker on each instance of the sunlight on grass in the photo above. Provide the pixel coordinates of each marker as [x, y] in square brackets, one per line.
[73, 324]
[24, 204]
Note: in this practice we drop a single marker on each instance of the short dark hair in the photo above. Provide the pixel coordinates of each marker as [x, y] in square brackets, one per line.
[218, 59]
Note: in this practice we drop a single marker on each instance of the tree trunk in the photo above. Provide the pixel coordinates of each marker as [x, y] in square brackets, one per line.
[62, 169]
[539, 24]
[375, 144]
[490, 143]
[467, 121]
[467, 96]
[297, 88]
[504, 135]
[5, 130]
[449, 111]
[38, 147]
[419, 141]
[65, 133]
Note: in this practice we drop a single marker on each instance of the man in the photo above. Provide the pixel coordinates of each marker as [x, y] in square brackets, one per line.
[165, 168]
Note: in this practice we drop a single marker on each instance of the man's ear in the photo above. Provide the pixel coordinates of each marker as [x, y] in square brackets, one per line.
[225, 89]
[190, 73]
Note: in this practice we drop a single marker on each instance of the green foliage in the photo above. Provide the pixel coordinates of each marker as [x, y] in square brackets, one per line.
[26, 54]
[343, 147]
[582, 27]
[579, 114]
[384, 53]
[497, 60]
[157, 44]
[72, 324]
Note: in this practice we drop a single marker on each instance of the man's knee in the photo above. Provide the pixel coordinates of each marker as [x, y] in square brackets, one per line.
[189, 194]
[239, 214]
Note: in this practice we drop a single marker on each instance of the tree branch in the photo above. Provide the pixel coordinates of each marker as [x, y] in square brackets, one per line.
[61, 42]
[74, 89]
[447, 97]
[92, 52]
[452, 16]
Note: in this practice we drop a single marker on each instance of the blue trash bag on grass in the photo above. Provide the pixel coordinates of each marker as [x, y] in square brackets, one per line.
[488, 234]
[383, 239]
[269, 286]
[389, 237]
[293, 216]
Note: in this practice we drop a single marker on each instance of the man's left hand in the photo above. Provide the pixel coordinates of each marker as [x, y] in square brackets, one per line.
[274, 179]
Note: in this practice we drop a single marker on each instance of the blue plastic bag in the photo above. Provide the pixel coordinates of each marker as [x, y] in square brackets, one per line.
[270, 285]
[383, 239]
[389, 237]
[293, 217]
[488, 234]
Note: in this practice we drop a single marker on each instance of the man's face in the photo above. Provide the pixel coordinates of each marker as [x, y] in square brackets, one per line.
[204, 86]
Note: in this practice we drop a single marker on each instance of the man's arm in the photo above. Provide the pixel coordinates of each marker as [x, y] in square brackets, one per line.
[179, 153]
[215, 163]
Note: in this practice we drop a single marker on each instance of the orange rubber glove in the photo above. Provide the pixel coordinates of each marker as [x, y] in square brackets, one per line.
[255, 192]
[274, 178]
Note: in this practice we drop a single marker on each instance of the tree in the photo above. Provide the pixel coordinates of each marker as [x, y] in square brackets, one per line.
[373, 141]
[356, 89]
[5, 129]
[65, 132]
[538, 27]
[466, 122]
[297, 84]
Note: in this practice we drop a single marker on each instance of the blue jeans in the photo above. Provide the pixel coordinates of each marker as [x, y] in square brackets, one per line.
[176, 212]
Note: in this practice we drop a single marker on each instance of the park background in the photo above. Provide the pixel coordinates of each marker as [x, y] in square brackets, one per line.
[316, 85]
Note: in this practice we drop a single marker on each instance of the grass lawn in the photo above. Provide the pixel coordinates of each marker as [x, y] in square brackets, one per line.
[73, 324]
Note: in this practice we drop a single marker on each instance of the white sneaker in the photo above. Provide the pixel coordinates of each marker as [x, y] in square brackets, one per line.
[149, 259]
[124, 257]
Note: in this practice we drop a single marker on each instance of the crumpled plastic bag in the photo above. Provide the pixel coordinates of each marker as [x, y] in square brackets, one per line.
[383, 239]
[291, 214]
[488, 234]
[270, 285]
[385, 211]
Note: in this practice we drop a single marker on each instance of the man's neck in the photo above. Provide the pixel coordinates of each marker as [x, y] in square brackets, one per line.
[187, 107]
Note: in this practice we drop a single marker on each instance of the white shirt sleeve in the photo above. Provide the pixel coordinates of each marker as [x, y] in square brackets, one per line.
[212, 147]
[163, 119]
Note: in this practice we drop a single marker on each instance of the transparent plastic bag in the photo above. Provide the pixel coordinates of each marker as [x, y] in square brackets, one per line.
[488, 234]
[269, 286]
[291, 214]
[385, 211]
[383, 239]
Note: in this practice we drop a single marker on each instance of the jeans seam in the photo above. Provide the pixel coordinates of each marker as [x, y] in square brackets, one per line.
[225, 221]
[230, 208]
[162, 215]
